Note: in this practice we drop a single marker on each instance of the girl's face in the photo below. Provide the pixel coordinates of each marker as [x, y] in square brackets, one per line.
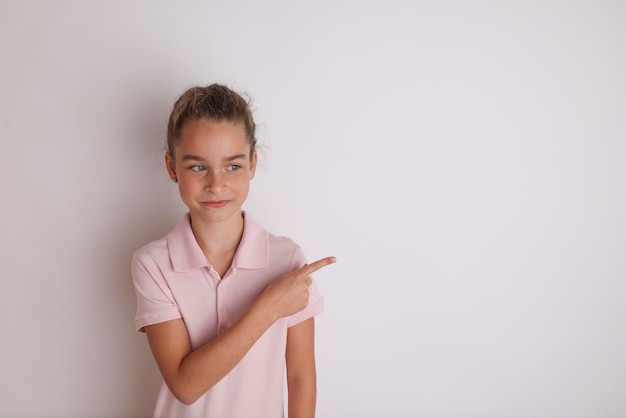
[213, 168]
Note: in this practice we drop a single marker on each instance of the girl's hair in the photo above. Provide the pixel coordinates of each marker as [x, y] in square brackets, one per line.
[216, 103]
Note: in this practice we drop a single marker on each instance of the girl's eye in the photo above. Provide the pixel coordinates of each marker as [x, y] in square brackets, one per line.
[233, 167]
[197, 168]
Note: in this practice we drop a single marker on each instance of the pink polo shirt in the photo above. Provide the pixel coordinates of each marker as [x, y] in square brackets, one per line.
[173, 279]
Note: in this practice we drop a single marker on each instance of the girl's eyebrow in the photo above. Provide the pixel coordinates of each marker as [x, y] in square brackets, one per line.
[196, 158]
[236, 157]
[192, 157]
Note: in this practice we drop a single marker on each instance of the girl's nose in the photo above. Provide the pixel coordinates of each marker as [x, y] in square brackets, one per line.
[215, 182]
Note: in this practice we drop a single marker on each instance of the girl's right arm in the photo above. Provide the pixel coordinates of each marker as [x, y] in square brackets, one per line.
[189, 374]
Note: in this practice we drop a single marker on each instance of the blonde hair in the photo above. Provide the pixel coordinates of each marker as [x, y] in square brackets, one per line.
[215, 103]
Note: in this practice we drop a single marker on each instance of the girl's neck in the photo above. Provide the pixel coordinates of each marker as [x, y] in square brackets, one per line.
[218, 238]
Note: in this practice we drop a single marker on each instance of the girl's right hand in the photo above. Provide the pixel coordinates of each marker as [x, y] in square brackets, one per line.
[289, 293]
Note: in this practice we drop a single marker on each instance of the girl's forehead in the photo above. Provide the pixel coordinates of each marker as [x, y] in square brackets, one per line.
[205, 127]
[206, 140]
[206, 133]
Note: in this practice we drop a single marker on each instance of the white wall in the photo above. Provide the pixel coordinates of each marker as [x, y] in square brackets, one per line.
[465, 162]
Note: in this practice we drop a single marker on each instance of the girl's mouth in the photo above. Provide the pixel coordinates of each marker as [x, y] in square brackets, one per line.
[215, 204]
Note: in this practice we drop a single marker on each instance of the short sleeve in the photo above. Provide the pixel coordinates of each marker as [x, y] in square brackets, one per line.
[155, 302]
[316, 301]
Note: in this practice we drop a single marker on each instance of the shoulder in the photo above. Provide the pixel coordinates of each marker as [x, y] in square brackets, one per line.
[275, 242]
[277, 247]
[174, 248]
[282, 244]
[154, 249]
[158, 251]
[286, 249]
[151, 255]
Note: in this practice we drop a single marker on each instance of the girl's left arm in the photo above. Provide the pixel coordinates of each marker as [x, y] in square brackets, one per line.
[301, 375]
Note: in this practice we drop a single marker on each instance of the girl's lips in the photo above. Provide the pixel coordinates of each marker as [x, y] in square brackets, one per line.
[214, 204]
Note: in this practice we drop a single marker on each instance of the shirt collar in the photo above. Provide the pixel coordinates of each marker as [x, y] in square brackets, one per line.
[253, 250]
[186, 254]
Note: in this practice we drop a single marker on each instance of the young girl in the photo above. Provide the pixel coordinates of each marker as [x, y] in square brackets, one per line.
[226, 305]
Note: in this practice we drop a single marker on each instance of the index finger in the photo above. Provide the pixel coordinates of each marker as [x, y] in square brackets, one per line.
[313, 267]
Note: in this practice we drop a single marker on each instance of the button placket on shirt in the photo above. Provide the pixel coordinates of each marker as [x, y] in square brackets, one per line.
[222, 314]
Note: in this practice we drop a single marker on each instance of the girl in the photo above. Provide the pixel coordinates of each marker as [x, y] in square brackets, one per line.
[225, 304]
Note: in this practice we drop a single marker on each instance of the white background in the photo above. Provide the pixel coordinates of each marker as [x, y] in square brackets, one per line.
[465, 162]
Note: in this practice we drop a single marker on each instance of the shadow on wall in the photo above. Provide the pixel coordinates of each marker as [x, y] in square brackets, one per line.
[146, 208]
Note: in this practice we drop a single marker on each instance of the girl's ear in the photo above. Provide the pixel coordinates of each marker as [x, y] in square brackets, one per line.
[170, 164]
[253, 162]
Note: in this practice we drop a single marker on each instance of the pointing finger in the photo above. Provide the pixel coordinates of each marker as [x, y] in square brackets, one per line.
[313, 267]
